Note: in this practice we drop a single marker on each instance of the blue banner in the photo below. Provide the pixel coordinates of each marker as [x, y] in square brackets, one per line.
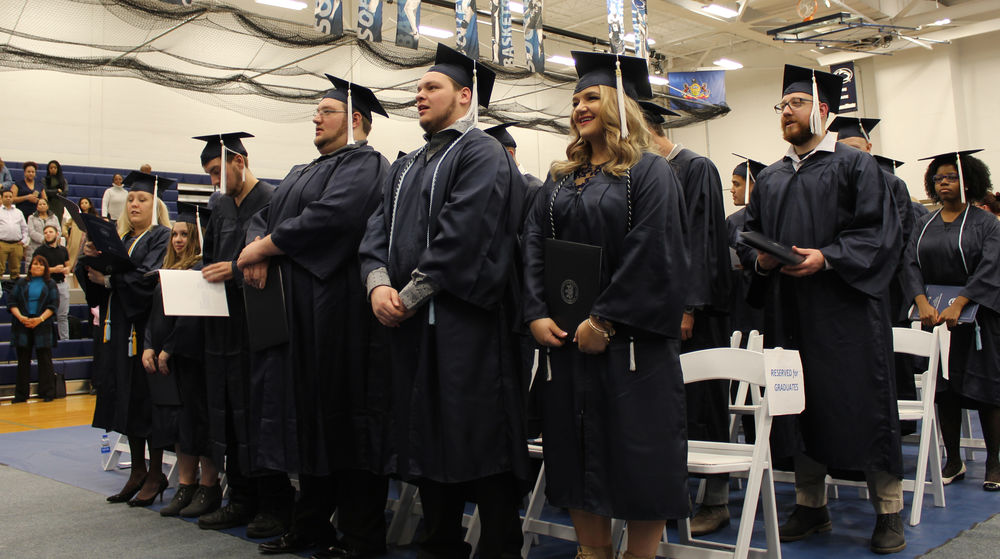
[466, 30]
[329, 17]
[370, 20]
[616, 26]
[701, 88]
[848, 93]
[640, 29]
[503, 43]
[533, 36]
[407, 23]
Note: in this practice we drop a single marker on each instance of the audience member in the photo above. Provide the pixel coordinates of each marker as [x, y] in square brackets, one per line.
[55, 186]
[990, 204]
[113, 200]
[28, 190]
[37, 223]
[33, 303]
[13, 235]
[87, 207]
[146, 168]
[60, 267]
[6, 179]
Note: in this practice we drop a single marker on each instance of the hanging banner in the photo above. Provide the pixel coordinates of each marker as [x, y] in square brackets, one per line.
[702, 87]
[503, 43]
[616, 26]
[370, 20]
[329, 17]
[849, 93]
[533, 36]
[466, 31]
[639, 29]
[407, 23]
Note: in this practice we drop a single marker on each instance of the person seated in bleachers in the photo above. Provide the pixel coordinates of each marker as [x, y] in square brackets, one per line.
[13, 235]
[57, 254]
[27, 191]
[33, 304]
[6, 179]
[86, 206]
[37, 222]
[55, 185]
[113, 200]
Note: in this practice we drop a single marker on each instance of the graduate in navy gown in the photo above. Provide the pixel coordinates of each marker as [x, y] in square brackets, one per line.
[830, 203]
[437, 258]
[745, 317]
[614, 414]
[259, 499]
[314, 413]
[959, 245]
[123, 403]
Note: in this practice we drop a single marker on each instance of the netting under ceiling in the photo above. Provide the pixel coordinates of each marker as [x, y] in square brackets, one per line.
[257, 66]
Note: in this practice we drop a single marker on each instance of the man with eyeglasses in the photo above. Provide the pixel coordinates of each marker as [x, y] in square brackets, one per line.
[829, 203]
[312, 413]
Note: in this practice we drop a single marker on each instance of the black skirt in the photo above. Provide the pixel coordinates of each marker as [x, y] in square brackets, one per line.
[185, 425]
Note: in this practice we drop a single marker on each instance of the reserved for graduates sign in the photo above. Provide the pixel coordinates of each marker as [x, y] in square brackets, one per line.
[786, 393]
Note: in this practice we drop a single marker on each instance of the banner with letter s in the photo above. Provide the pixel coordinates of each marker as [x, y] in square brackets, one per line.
[370, 20]
[533, 36]
[503, 42]
[329, 17]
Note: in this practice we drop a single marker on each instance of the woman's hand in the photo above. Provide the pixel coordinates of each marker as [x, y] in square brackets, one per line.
[547, 333]
[162, 362]
[950, 315]
[928, 314]
[590, 340]
[148, 361]
[94, 276]
[90, 250]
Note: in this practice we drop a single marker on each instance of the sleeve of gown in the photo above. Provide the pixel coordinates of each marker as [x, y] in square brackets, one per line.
[706, 235]
[374, 249]
[865, 251]
[258, 225]
[649, 288]
[469, 254]
[983, 286]
[326, 233]
[912, 279]
[535, 230]
[136, 288]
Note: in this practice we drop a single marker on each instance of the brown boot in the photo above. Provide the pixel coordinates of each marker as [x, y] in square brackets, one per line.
[709, 518]
[587, 552]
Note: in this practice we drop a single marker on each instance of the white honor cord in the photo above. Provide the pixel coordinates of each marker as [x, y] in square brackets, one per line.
[961, 232]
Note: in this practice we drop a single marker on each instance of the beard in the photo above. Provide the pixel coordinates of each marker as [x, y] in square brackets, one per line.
[437, 124]
[796, 135]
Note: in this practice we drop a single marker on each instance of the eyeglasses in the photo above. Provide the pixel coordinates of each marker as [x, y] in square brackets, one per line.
[795, 103]
[323, 113]
[952, 177]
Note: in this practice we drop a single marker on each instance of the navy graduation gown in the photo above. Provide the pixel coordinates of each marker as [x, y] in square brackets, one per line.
[227, 353]
[123, 403]
[313, 408]
[455, 395]
[744, 316]
[615, 439]
[837, 318]
[934, 258]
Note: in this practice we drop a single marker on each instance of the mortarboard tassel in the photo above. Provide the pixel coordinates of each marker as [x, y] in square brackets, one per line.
[747, 182]
[620, 90]
[534, 369]
[156, 208]
[222, 161]
[961, 177]
[815, 122]
[475, 96]
[548, 364]
[197, 224]
[350, 116]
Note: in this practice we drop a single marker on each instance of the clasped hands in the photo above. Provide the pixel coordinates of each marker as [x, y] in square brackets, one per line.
[814, 262]
[547, 333]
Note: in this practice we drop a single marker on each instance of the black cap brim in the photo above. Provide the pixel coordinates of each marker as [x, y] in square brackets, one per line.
[502, 135]
[852, 126]
[137, 181]
[459, 67]
[654, 113]
[213, 144]
[363, 99]
[799, 80]
[186, 213]
[598, 68]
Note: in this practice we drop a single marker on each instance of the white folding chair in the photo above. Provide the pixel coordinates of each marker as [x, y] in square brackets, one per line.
[752, 460]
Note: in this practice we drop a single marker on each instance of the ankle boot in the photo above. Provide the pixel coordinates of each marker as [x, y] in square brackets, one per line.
[205, 500]
[588, 552]
[630, 555]
[182, 498]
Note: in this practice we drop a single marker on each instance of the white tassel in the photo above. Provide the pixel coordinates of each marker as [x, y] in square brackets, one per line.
[475, 96]
[350, 117]
[222, 162]
[244, 171]
[815, 121]
[961, 176]
[534, 369]
[431, 319]
[631, 355]
[747, 180]
[548, 364]
[197, 224]
[620, 90]
[156, 184]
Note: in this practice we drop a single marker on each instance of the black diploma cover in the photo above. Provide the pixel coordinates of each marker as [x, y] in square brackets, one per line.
[113, 258]
[782, 253]
[266, 323]
[572, 281]
[163, 389]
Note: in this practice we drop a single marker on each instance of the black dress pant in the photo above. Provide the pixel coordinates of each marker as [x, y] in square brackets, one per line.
[443, 504]
[264, 491]
[46, 375]
[358, 497]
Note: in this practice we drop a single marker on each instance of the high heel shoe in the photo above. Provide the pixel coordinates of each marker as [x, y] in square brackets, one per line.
[127, 492]
[159, 491]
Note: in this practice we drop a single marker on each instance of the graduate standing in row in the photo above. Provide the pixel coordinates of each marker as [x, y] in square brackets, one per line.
[437, 260]
[314, 414]
[745, 317]
[830, 203]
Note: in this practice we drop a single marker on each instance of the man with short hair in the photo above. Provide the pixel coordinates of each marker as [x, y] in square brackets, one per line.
[58, 258]
[13, 235]
[829, 203]
[437, 259]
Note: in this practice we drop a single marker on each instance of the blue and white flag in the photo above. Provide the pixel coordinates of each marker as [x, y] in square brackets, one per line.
[407, 23]
[503, 43]
[639, 29]
[370, 20]
[466, 31]
[616, 26]
[329, 17]
[533, 36]
[700, 88]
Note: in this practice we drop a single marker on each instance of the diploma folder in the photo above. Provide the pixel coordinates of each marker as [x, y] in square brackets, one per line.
[266, 322]
[782, 253]
[941, 296]
[113, 258]
[163, 389]
[572, 281]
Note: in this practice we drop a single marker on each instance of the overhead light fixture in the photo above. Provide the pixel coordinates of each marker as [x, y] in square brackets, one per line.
[658, 80]
[435, 32]
[940, 22]
[564, 60]
[728, 64]
[287, 4]
[720, 10]
[630, 38]
[516, 7]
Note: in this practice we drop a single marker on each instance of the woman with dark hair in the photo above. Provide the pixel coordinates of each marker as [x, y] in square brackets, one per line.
[990, 204]
[614, 409]
[958, 247]
[28, 191]
[86, 206]
[33, 303]
[55, 186]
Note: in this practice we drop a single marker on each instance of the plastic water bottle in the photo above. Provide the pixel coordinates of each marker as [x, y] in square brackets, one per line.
[105, 445]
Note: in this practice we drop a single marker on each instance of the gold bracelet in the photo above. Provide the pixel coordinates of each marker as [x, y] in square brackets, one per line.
[606, 333]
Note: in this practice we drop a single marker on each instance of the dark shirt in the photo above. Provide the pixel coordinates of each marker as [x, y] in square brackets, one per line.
[57, 256]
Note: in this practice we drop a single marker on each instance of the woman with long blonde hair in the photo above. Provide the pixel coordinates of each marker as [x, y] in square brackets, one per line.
[613, 417]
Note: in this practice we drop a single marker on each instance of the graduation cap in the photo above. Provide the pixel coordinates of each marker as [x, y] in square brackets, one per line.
[889, 165]
[467, 73]
[654, 113]
[853, 127]
[821, 85]
[958, 157]
[357, 98]
[138, 181]
[193, 213]
[502, 135]
[216, 144]
[629, 76]
[401, 155]
[748, 168]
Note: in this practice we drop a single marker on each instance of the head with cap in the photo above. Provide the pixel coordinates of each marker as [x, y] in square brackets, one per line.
[236, 164]
[451, 89]
[854, 131]
[143, 208]
[655, 116]
[744, 178]
[500, 134]
[808, 98]
[941, 181]
[335, 128]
